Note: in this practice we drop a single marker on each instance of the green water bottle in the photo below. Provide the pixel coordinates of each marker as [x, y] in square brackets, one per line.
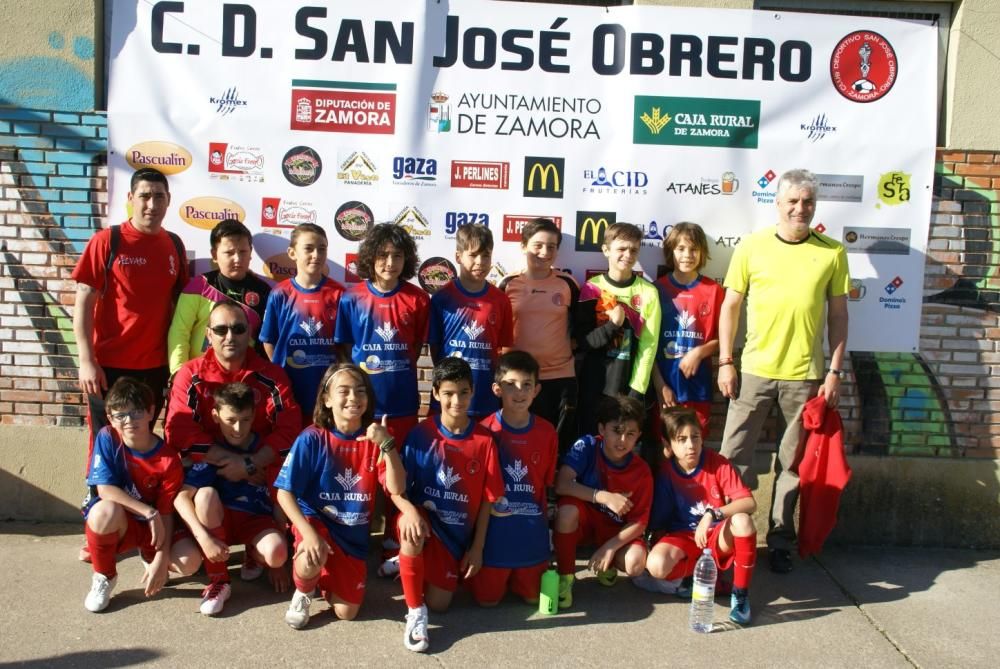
[548, 597]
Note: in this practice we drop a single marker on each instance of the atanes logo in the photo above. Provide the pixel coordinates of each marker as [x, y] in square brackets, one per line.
[166, 157]
[342, 106]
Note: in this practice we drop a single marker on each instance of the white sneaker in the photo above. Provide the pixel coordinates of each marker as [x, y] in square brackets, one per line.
[389, 568]
[645, 581]
[214, 597]
[101, 588]
[390, 544]
[297, 615]
[415, 637]
[251, 570]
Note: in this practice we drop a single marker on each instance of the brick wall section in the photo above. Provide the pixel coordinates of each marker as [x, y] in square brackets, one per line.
[942, 402]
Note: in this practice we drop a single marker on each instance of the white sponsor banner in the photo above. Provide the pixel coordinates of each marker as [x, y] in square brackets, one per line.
[439, 115]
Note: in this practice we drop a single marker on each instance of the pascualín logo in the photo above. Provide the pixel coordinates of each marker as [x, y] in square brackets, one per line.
[166, 157]
[544, 177]
[696, 121]
[343, 106]
[205, 212]
[228, 102]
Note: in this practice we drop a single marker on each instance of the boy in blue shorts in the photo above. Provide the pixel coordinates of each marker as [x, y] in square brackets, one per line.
[605, 491]
[517, 539]
[452, 480]
[220, 512]
[133, 478]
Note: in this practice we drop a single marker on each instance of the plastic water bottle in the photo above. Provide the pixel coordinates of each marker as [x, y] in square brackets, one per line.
[548, 597]
[703, 593]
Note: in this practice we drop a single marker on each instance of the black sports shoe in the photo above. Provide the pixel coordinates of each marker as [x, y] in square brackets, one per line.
[779, 560]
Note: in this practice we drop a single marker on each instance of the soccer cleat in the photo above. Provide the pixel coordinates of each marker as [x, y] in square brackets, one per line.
[676, 587]
[251, 570]
[297, 615]
[389, 568]
[101, 588]
[739, 606]
[214, 597]
[566, 590]
[608, 577]
[415, 636]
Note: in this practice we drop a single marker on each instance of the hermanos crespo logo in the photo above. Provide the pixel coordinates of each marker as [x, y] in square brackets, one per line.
[165, 157]
[696, 121]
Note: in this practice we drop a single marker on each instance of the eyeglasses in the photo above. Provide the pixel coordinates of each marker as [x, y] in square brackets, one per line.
[221, 330]
[125, 416]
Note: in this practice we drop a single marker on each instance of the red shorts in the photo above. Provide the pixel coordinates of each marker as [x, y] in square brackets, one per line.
[241, 527]
[595, 527]
[490, 584]
[343, 575]
[440, 566]
[137, 536]
[399, 427]
[685, 541]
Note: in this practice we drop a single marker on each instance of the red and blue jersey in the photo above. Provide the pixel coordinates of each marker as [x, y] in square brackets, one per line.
[238, 495]
[518, 533]
[474, 327]
[334, 476]
[449, 475]
[386, 331]
[680, 500]
[594, 470]
[300, 324]
[690, 318]
[154, 477]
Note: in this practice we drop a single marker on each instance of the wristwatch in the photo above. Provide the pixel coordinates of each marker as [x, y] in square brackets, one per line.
[841, 374]
[716, 513]
[251, 467]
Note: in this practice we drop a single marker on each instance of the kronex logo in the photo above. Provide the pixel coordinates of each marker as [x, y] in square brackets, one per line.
[228, 102]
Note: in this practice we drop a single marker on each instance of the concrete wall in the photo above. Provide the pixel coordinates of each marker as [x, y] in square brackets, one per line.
[47, 54]
[973, 94]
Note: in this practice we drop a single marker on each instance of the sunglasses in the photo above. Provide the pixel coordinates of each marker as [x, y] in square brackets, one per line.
[125, 416]
[221, 330]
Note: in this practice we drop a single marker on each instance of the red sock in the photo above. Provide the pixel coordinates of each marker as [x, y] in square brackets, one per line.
[103, 552]
[217, 570]
[305, 585]
[411, 573]
[565, 545]
[744, 559]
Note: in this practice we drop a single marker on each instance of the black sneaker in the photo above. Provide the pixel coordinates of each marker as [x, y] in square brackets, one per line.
[779, 560]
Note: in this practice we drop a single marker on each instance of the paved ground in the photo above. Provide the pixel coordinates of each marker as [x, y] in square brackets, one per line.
[862, 607]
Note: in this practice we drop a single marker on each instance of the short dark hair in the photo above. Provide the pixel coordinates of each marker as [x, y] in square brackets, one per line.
[473, 238]
[237, 396]
[536, 225]
[150, 175]
[229, 227]
[516, 361]
[375, 241]
[676, 419]
[228, 304]
[128, 392]
[621, 230]
[619, 409]
[697, 237]
[322, 414]
[303, 228]
[450, 369]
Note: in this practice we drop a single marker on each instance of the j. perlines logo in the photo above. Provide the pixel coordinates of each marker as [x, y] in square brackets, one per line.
[544, 177]
[590, 227]
[514, 223]
[228, 102]
[471, 174]
[696, 121]
[342, 106]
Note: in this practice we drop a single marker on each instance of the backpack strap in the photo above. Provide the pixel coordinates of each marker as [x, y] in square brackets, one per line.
[116, 238]
[115, 242]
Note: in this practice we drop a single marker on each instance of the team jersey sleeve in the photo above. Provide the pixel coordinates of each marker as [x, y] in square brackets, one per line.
[181, 327]
[552, 449]
[493, 481]
[200, 475]
[505, 338]
[663, 501]
[718, 296]
[270, 328]
[298, 466]
[104, 466]
[421, 323]
[284, 413]
[184, 433]
[343, 331]
[90, 268]
[580, 457]
[646, 353]
[642, 497]
[589, 334]
[173, 481]
[572, 304]
[435, 323]
[730, 482]
[840, 283]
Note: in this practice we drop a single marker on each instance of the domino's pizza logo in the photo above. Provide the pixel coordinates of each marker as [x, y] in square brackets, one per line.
[893, 285]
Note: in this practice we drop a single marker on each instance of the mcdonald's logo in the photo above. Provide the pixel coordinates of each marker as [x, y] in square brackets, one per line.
[590, 227]
[543, 177]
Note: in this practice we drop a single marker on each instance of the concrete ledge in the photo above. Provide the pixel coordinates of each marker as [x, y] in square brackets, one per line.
[890, 501]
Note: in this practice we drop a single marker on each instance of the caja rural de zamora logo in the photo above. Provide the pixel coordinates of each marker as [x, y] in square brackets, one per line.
[696, 121]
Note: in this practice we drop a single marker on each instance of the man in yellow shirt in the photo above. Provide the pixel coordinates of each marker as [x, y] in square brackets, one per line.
[792, 278]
